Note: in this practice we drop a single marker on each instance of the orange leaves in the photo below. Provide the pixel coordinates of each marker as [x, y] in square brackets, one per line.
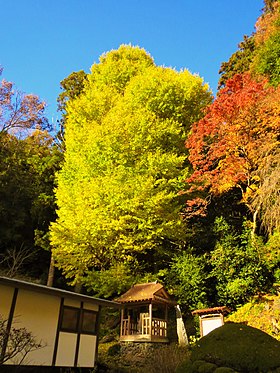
[240, 127]
[266, 24]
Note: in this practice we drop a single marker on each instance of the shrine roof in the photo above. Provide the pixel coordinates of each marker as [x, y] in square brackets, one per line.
[205, 311]
[151, 292]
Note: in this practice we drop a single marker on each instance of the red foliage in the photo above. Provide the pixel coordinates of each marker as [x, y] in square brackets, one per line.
[227, 145]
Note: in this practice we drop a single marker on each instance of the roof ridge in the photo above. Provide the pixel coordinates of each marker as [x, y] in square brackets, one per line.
[148, 283]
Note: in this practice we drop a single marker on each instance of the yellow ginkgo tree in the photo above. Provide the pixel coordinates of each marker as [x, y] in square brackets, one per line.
[125, 162]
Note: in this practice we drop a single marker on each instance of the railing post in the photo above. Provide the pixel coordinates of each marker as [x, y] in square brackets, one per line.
[128, 325]
[150, 321]
[122, 317]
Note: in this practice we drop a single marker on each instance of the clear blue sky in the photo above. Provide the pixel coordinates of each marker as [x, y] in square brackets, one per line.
[43, 41]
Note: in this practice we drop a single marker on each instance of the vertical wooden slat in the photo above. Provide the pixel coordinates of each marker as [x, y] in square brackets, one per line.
[122, 317]
[151, 316]
[166, 320]
[97, 332]
[59, 321]
[78, 335]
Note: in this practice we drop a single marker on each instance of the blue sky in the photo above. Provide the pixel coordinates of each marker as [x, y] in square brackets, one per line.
[43, 41]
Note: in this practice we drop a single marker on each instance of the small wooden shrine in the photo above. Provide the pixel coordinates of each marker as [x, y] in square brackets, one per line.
[211, 318]
[144, 314]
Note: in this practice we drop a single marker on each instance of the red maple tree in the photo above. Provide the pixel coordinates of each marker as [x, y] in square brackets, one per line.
[239, 130]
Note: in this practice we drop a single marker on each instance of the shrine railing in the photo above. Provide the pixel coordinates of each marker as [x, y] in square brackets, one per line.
[159, 327]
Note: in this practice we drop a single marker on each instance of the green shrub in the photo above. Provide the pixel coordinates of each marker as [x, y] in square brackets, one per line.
[197, 364]
[186, 367]
[207, 368]
[239, 347]
[224, 370]
[260, 313]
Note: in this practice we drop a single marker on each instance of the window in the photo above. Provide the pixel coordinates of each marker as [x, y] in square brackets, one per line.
[88, 322]
[76, 320]
[70, 319]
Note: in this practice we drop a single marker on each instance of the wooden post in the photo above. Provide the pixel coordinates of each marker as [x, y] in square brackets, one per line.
[151, 315]
[122, 317]
[166, 320]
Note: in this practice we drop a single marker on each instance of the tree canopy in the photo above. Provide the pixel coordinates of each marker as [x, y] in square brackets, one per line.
[125, 163]
[237, 136]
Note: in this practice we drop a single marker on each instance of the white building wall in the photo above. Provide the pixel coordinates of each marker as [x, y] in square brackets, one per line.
[87, 350]
[210, 323]
[38, 313]
[66, 349]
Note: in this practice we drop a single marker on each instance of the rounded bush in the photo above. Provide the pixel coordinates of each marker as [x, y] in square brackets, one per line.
[224, 370]
[207, 368]
[185, 367]
[196, 364]
[240, 347]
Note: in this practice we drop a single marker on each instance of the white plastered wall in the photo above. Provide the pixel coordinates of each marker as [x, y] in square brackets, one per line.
[87, 350]
[210, 323]
[66, 349]
[38, 313]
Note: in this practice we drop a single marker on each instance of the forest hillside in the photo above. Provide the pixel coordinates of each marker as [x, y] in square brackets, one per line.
[149, 178]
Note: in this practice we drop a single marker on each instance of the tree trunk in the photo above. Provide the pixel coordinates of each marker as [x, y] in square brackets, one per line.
[181, 330]
[254, 227]
[51, 272]
[78, 287]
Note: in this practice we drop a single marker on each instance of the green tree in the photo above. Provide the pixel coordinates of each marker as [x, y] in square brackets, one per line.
[240, 268]
[260, 52]
[27, 203]
[71, 87]
[188, 280]
[267, 61]
[125, 163]
[239, 62]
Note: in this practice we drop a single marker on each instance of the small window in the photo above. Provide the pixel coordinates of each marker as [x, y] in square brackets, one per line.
[70, 319]
[75, 320]
[88, 322]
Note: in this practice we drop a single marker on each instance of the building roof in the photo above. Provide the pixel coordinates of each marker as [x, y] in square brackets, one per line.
[56, 292]
[205, 311]
[149, 292]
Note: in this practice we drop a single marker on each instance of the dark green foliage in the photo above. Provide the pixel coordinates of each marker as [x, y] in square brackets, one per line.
[238, 265]
[261, 58]
[207, 368]
[239, 62]
[239, 347]
[186, 367]
[114, 349]
[72, 87]
[27, 168]
[187, 278]
[197, 364]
